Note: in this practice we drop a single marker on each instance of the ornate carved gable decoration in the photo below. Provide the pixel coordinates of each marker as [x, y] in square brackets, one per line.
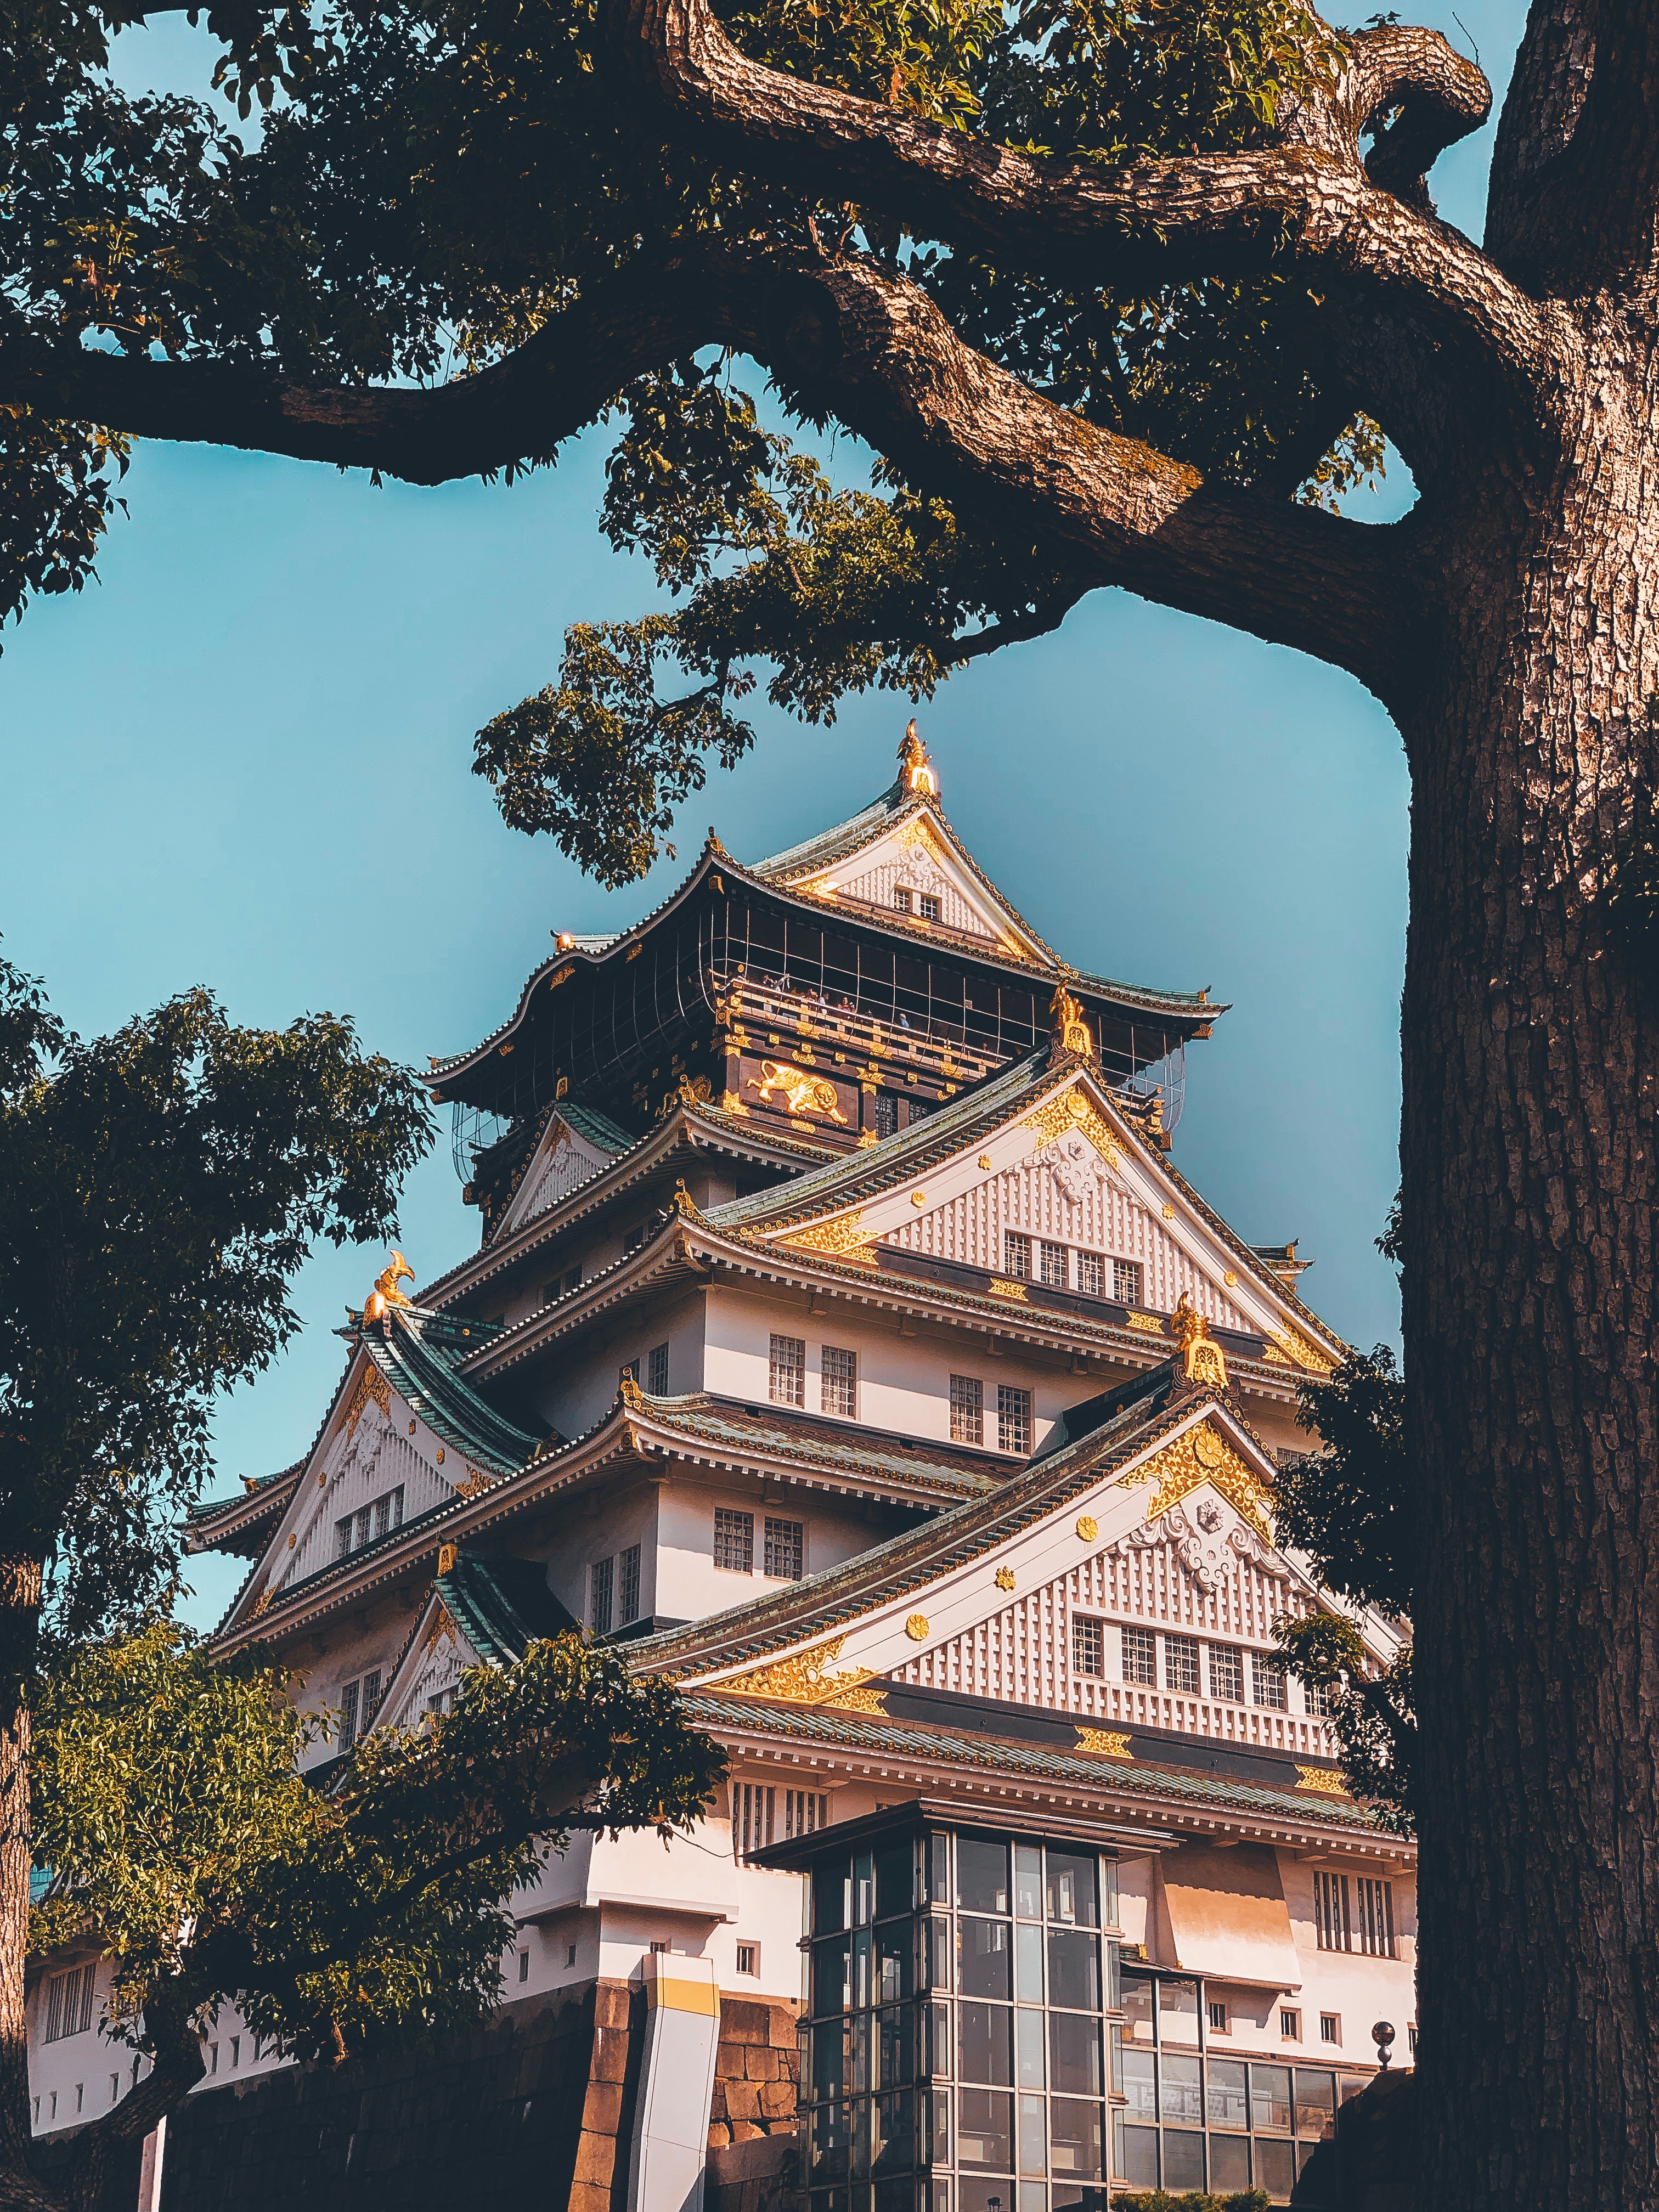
[807, 1678]
[370, 1384]
[843, 1238]
[1198, 1456]
[1071, 1115]
[1205, 1540]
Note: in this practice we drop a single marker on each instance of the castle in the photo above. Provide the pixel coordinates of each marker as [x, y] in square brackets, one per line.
[843, 1338]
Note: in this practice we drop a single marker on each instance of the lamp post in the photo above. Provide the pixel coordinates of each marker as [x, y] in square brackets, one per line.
[1382, 2036]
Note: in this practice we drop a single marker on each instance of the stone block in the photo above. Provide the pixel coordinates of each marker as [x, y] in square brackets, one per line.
[760, 2063]
[596, 2159]
[586, 2196]
[610, 2004]
[745, 2131]
[777, 2098]
[610, 2062]
[780, 2027]
[719, 2136]
[602, 2108]
[728, 2060]
[744, 2020]
[741, 2100]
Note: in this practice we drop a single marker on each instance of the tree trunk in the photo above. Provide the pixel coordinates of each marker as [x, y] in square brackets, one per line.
[20, 1614]
[1531, 1172]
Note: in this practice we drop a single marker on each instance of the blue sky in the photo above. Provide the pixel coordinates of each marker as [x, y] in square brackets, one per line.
[242, 759]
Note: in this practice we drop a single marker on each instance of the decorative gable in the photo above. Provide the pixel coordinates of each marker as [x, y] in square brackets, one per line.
[914, 869]
[564, 1159]
[439, 1654]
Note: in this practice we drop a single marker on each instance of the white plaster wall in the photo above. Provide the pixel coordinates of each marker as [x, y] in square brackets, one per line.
[689, 1586]
[576, 1389]
[602, 1525]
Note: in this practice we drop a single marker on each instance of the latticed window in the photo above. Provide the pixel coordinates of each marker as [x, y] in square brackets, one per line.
[804, 1811]
[1357, 1917]
[1126, 1282]
[926, 906]
[1016, 1253]
[1227, 1673]
[1013, 1419]
[734, 1541]
[1090, 1274]
[656, 1371]
[1181, 1665]
[1053, 1257]
[348, 1708]
[786, 1542]
[627, 1586]
[371, 1704]
[1374, 1917]
[839, 1373]
[69, 2004]
[1088, 1652]
[601, 1594]
[886, 1114]
[1318, 1699]
[786, 1376]
[901, 901]
[1268, 1683]
[1140, 1657]
[966, 1410]
[754, 1817]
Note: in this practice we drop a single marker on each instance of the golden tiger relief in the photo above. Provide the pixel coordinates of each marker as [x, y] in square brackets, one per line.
[798, 1092]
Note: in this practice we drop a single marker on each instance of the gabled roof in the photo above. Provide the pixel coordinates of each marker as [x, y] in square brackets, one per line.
[243, 1524]
[728, 1433]
[502, 1606]
[420, 1353]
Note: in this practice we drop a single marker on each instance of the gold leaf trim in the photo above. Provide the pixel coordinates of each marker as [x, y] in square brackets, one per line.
[1072, 1110]
[804, 1678]
[863, 1697]
[841, 1234]
[1104, 1743]
[1296, 1352]
[1088, 1527]
[1010, 1290]
[1322, 1780]
[1005, 1579]
[371, 1383]
[1148, 1324]
[1178, 1470]
[916, 1628]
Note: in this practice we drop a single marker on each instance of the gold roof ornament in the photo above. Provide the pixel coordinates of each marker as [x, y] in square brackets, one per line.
[915, 769]
[386, 1291]
[1071, 1030]
[1203, 1355]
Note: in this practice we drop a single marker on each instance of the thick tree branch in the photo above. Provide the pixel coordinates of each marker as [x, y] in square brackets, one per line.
[1307, 205]
[1574, 201]
[1418, 94]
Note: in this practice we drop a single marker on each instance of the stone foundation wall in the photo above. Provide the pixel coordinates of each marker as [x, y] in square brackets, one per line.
[752, 2161]
[536, 2108]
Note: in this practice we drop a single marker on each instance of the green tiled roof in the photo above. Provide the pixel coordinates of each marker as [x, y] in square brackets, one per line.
[502, 1606]
[727, 1426]
[421, 1352]
[873, 1734]
[598, 1128]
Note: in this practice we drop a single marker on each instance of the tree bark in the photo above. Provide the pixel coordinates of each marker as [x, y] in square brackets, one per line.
[19, 1614]
[1531, 1065]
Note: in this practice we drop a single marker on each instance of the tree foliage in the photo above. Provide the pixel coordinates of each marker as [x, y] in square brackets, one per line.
[159, 1190]
[186, 1846]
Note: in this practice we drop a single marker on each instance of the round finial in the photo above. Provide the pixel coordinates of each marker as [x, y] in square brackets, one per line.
[1383, 2037]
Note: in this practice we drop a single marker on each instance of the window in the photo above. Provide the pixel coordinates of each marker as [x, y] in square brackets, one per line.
[1290, 2025]
[784, 1545]
[69, 2004]
[636, 1237]
[1138, 1656]
[1016, 1255]
[1374, 1919]
[1318, 1700]
[1266, 1682]
[1088, 1654]
[627, 1586]
[236, 2049]
[886, 1114]
[442, 1702]
[1330, 2027]
[804, 1811]
[601, 1590]
[786, 1381]
[901, 901]
[1052, 1262]
[1090, 1274]
[734, 1541]
[524, 1965]
[1220, 2022]
[1013, 1419]
[570, 1955]
[1360, 1918]
[656, 1371]
[754, 1817]
[1126, 1282]
[1227, 1673]
[966, 1410]
[749, 1958]
[377, 1518]
[213, 2068]
[659, 1950]
[371, 1699]
[365, 1522]
[927, 908]
[840, 1380]
[349, 1694]
[1180, 1664]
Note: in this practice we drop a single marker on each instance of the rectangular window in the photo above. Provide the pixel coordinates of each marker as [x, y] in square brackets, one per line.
[524, 1965]
[1181, 1665]
[966, 1410]
[804, 1811]
[1219, 2023]
[786, 1373]
[734, 1541]
[1126, 1282]
[1330, 2027]
[1016, 1255]
[69, 2004]
[1266, 1682]
[784, 1545]
[343, 1537]
[1318, 1701]
[926, 906]
[1333, 1927]
[365, 1519]
[371, 1699]
[1052, 1259]
[1013, 1419]
[656, 1372]
[840, 1382]
[636, 1237]
[1374, 1917]
[1090, 1274]
[754, 1817]
[886, 1114]
[382, 1517]
[749, 1958]
[901, 901]
[1139, 1655]
[1290, 2025]
[347, 1736]
[627, 1586]
[601, 1588]
[1227, 1673]
[1088, 1654]
[572, 1278]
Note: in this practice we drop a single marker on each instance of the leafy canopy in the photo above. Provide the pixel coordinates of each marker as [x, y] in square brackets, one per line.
[159, 1190]
[432, 179]
[186, 1846]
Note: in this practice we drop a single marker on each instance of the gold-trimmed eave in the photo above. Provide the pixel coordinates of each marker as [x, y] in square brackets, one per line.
[862, 1764]
[689, 1128]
